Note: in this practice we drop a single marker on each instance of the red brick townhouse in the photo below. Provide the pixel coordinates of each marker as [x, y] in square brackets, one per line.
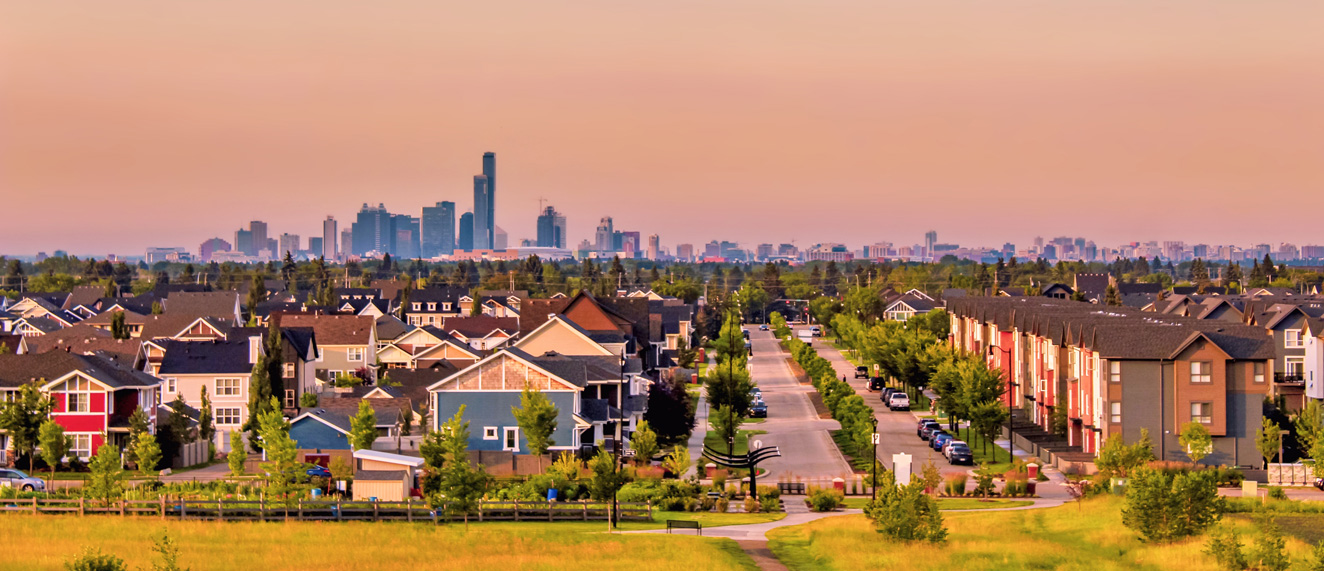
[1117, 370]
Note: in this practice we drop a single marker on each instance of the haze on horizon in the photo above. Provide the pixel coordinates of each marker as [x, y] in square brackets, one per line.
[159, 123]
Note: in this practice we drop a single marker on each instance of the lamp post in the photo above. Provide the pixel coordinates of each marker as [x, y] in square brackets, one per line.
[874, 468]
[1011, 395]
[619, 446]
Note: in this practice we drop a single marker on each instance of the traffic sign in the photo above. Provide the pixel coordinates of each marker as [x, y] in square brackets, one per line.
[758, 444]
[874, 438]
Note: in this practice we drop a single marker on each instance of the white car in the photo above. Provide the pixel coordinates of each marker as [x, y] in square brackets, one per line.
[898, 401]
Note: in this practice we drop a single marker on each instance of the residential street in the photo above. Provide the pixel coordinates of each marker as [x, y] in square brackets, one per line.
[807, 449]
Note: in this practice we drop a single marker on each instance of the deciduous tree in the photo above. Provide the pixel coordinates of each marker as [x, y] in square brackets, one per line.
[536, 417]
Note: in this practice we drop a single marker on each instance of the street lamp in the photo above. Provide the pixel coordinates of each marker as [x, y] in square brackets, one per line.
[873, 440]
[1011, 395]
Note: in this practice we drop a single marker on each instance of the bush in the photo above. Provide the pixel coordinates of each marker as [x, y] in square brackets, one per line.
[1277, 493]
[676, 504]
[766, 492]
[1017, 485]
[93, 560]
[707, 504]
[771, 505]
[640, 491]
[906, 513]
[954, 484]
[752, 505]
[824, 499]
[723, 505]
[1225, 548]
[1164, 508]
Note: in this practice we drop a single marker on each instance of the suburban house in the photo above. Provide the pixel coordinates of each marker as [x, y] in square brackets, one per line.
[348, 343]
[322, 433]
[429, 306]
[215, 304]
[298, 361]
[92, 395]
[426, 347]
[482, 332]
[1114, 371]
[907, 306]
[1314, 359]
[223, 367]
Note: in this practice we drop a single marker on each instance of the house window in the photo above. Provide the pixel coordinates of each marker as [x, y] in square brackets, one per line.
[1294, 365]
[445, 306]
[512, 439]
[1202, 372]
[1115, 412]
[417, 306]
[432, 306]
[80, 445]
[1114, 371]
[289, 398]
[170, 386]
[227, 387]
[77, 395]
[227, 417]
[1292, 339]
[354, 353]
[289, 370]
[1259, 372]
[332, 375]
[1202, 412]
[489, 433]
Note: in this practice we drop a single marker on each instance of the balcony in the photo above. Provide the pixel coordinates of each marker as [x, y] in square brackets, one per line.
[1289, 378]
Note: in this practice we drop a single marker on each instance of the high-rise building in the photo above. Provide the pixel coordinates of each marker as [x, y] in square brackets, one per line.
[654, 247]
[372, 230]
[329, 249]
[482, 236]
[631, 242]
[551, 229]
[346, 244]
[489, 171]
[405, 236]
[243, 242]
[315, 245]
[438, 230]
[684, 252]
[500, 238]
[289, 243]
[605, 235]
[763, 251]
[211, 246]
[466, 233]
[930, 239]
[260, 240]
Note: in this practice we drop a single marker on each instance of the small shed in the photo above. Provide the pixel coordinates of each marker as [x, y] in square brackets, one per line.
[385, 476]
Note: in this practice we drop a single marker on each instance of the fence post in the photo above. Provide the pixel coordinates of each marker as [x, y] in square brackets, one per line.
[300, 509]
[338, 511]
[649, 504]
[183, 508]
[516, 510]
[121, 507]
[409, 509]
[34, 506]
[480, 509]
[374, 510]
[549, 510]
[82, 507]
[163, 506]
[220, 510]
[262, 508]
[585, 504]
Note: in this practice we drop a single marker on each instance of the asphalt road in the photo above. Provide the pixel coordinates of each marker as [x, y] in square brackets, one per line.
[896, 429]
[807, 449]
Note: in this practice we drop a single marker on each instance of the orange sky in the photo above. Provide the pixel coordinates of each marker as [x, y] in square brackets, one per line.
[129, 124]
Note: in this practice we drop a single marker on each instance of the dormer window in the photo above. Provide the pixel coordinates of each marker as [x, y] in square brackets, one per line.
[417, 306]
[432, 306]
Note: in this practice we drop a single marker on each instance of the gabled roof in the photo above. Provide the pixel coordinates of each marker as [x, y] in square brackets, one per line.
[920, 305]
[44, 324]
[169, 325]
[206, 358]
[334, 329]
[337, 412]
[480, 326]
[220, 304]
[17, 370]
[84, 339]
[562, 321]
[390, 327]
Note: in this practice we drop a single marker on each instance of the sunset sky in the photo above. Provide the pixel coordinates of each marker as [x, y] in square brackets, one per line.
[129, 124]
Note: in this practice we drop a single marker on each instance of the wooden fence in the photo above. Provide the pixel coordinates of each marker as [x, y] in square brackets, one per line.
[325, 510]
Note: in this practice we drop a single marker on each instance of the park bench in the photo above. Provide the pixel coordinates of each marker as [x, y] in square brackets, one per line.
[791, 488]
[684, 524]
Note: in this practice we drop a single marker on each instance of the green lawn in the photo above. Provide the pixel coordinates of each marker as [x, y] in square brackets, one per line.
[1085, 537]
[741, 443]
[47, 542]
[995, 455]
[954, 503]
[706, 519]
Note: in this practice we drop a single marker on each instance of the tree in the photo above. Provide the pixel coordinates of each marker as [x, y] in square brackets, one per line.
[237, 456]
[1195, 438]
[260, 398]
[1118, 459]
[257, 293]
[94, 560]
[118, 330]
[54, 445]
[644, 443]
[1309, 425]
[1111, 296]
[149, 454]
[461, 483]
[168, 551]
[1270, 551]
[678, 461]
[726, 424]
[905, 513]
[138, 426]
[281, 452]
[363, 427]
[179, 425]
[22, 417]
[1164, 508]
[684, 354]
[1269, 439]
[106, 482]
[308, 400]
[607, 479]
[406, 421]
[536, 417]
[206, 426]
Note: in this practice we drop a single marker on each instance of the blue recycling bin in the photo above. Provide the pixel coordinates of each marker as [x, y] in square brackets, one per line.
[551, 494]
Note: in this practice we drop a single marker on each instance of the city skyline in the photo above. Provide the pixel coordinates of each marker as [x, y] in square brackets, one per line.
[1038, 117]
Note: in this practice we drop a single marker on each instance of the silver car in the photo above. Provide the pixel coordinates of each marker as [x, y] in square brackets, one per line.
[20, 481]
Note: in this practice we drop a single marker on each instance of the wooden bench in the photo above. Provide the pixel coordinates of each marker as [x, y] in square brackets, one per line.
[684, 524]
[791, 488]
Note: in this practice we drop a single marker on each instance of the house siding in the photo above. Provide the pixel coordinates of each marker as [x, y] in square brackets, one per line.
[493, 408]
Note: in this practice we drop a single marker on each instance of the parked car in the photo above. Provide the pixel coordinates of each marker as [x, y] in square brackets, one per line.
[816, 331]
[20, 481]
[923, 424]
[763, 327]
[888, 392]
[958, 452]
[898, 401]
[861, 372]
[319, 472]
[877, 383]
[745, 332]
[759, 410]
[1319, 483]
[756, 393]
[939, 440]
[749, 347]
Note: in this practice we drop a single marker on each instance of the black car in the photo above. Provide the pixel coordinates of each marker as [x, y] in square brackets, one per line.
[887, 393]
[923, 425]
[759, 410]
[876, 384]
[861, 372]
[959, 453]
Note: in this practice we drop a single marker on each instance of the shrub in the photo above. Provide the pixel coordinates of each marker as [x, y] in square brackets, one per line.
[1017, 485]
[640, 491]
[1164, 508]
[723, 505]
[954, 484]
[1225, 548]
[719, 479]
[906, 513]
[94, 560]
[824, 499]
[771, 505]
[984, 477]
[766, 492]
[1277, 493]
[752, 505]
[1270, 551]
[707, 504]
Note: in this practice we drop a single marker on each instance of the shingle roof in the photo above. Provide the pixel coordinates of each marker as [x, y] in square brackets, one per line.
[390, 327]
[206, 357]
[480, 325]
[220, 304]
[84, 339]
[17, 370]
[334, 329]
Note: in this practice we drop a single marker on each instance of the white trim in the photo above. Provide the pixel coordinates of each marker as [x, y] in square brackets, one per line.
[490, 433]
[505, 438]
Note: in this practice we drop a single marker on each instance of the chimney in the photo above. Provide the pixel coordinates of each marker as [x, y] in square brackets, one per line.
[254, 349]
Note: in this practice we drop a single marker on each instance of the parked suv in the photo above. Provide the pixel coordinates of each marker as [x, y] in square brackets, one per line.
[20, 481]
[923, 425]
[876, 383]
[898, 401]
[861, 372]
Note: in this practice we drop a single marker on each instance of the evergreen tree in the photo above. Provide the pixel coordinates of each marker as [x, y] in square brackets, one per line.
[281, 453]
[138, 426]
[235, 459]
[644, 444]
[148, 453]
[831, 278]
[460, 484]
[259, 397]
[206, 423]
[118, 330]
[1111, 296]
[363, 427]
[273, 356]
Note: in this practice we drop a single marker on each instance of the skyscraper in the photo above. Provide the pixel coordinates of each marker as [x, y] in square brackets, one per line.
[551, 229]
[329, 250]
[466, 233]
[930, 239]
[372, 230]
[605, 235]
[243, 242]
[438, 230]
[346, 244]
[489, 171]
[654, 246]
[404, 236]
[288, 243]
[482, 234]
[315, 245]
[259, 230]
